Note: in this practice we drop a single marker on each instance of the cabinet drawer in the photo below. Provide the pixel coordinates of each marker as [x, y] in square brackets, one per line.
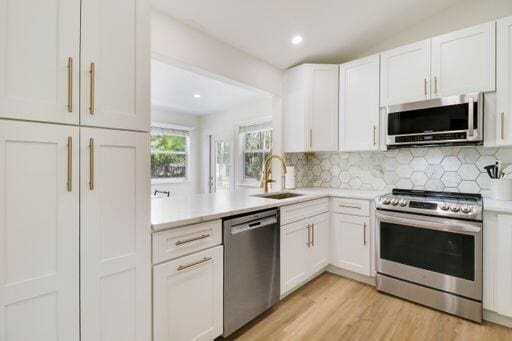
[185, 240]
[292, 213]
[351, 206]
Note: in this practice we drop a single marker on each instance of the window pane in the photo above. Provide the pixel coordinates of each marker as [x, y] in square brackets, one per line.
[253, 141]
[268, 139]
[168, 166]
[253, 166]
[169, 143]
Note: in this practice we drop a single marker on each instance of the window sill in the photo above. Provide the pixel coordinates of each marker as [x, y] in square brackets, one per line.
[249, 184]
[169, 181]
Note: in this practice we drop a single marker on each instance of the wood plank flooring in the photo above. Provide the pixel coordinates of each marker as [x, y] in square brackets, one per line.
[337, 308]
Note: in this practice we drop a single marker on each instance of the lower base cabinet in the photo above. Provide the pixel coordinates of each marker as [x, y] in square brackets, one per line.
[304, 250]
[351, 243]
[187, 297]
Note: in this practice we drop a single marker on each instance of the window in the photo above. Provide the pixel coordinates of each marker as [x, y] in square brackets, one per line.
[169, 154]
[256, 145]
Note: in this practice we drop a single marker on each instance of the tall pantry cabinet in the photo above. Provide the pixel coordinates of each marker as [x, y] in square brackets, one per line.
[74, 170]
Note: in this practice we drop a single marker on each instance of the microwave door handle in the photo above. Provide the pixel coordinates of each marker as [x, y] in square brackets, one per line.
[471, 123]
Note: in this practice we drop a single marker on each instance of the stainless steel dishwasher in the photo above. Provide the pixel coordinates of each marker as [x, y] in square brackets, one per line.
[251, 267]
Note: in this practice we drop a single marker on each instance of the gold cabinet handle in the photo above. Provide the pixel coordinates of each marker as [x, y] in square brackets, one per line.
[310, 138]
[201, 261]
[185, 241]
[70, 84]
[91, 164]
[502, 125]
[91, 90]
[70, 164]
[425, 86]
[374, 135]
[309, 235]
[364, 234]
[435, 85]
[313, 234]
[349, 206]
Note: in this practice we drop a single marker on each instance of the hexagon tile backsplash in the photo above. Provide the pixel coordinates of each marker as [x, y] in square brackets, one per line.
[455, 169]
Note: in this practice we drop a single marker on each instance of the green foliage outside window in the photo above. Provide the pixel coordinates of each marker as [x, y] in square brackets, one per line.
[169, 156]
[257, 146]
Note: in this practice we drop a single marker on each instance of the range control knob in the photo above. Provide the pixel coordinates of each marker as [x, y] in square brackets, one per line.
[466, 209]
[454, 208]
[386, 201]
[402, 202]
[444, 206]
[394, 201]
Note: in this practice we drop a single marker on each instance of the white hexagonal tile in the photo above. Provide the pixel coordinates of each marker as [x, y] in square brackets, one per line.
[434, 171]
[345, 177]
[504, 155]
[419, 164]
[390, 164]
[419, 151]
[325, 176]
[451, 179]
[404, 171]
[419, 188]
[378, 184]
[419, 178]
[450, 151]
[484, 161]
[451, 189]
[484, 181]
[354, 170]
[335, 170]
[404, 156]
[316, 170]
[391, 178]
[335, 183]
[434, 185]
[404, 184]
[468, 155]
[434, 156]
[469, 187]
[325, 164]
[366, 186]
[468, 172]
[486, 150]
[355, 183]
[450, 163]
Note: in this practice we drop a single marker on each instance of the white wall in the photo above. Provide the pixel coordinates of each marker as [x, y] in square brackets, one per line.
[177, 42]
[192, 185]
[462, 14]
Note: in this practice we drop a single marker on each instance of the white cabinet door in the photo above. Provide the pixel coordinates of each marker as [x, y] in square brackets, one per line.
[115, 39]
[504, 83]
[38, 39]
[187, 297]
[39, 234]
[322, 106]
[503, 266]
[294, 108]
[320, 231]
[359, 104]
[405, 73]
[295, 264]
[351, 243]
[464, 61]
[115, 235]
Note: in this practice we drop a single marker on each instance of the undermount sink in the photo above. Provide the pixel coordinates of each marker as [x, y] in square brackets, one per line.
[278, 196]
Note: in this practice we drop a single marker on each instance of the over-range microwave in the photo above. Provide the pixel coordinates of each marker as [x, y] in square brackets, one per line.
[447, 120]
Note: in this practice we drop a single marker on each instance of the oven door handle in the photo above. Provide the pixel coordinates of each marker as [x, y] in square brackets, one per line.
[471, 115]
[448, 225]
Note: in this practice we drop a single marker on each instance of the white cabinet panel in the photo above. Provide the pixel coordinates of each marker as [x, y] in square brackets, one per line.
[504, 83]
[188, 297]
[351, 243]
[294, 254]
[464, 61]
[115, 37]
[404, 74]
[320, 231]
[503, 266]
[115, 235]
[39, 233]
[359, 104]
[37, 38]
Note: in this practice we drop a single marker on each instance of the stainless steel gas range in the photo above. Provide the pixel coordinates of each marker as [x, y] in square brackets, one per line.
[429, 249]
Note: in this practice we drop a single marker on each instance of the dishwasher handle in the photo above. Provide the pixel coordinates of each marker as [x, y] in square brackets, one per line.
[254, 224]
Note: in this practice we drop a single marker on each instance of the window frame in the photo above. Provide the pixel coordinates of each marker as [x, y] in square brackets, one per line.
[242, 151]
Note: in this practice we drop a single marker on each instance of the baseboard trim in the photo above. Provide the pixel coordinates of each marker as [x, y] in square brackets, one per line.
[494, 317]
[351, 275]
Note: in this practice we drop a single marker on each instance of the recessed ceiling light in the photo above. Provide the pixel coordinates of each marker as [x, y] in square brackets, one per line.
[296, 40]
[197, 96]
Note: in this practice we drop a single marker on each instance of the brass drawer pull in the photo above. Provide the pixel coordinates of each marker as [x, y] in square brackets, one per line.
[350, 206]
[364, 234]
[70, 164]
[435, 85]
[309, 235]
[180, 242]
[91, 164]
[70, 84]
[201, 261]
[374, 135]
[425, 86]
[502, 125]
[91, 90]
[313, 234]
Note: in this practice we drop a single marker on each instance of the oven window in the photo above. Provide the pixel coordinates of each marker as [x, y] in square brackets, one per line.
[448, 253]
[446, 118]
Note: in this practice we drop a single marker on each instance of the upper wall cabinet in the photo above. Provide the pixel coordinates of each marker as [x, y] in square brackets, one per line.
[464, 61]
[504, 82]
[311, 108]
[115, 64]
[40, 42]
[405, 74]
[359, 104]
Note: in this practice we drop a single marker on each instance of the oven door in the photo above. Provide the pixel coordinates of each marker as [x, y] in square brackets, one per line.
[441, 253]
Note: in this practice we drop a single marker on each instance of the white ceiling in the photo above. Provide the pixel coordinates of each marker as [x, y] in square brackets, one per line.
[173, 89]
[333, 30]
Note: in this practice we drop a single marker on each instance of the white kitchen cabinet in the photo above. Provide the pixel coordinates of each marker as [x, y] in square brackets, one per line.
[304, 250]
[115, 64]
[187, 296]
[464, 61]
[39, 233]
[504, 82]
[405, 74]
[359, 104]
[351, 243]
[39, 60]
[311, 108]
[115, 235]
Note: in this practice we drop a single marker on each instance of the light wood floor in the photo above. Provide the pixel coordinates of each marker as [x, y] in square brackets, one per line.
[336, 308]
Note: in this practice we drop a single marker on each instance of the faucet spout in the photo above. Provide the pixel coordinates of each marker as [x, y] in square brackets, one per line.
[266, 171]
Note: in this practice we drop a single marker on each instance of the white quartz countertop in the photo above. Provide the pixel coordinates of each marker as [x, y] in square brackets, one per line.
[504, 206]
[184, 210]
